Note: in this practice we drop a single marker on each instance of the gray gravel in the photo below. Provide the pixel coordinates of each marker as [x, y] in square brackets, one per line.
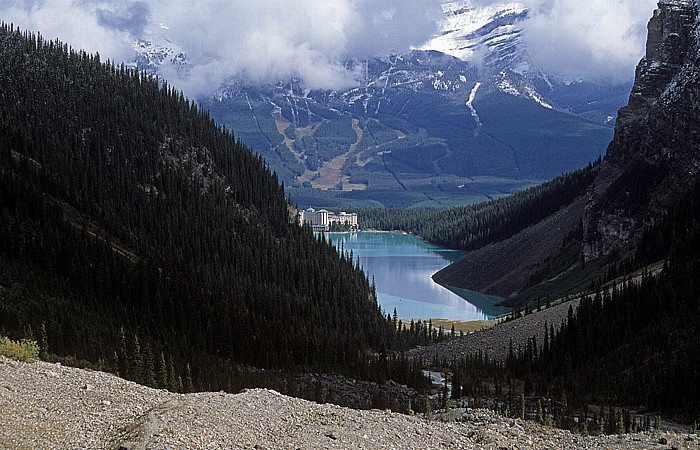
[495, 341]
[48, 406]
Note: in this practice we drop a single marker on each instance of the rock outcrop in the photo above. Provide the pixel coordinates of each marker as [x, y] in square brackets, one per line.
[655, 153]
[668, 41]
[653, 158]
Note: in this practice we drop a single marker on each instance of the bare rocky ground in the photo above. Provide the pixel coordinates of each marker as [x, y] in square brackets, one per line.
[49, 406]
[495, 341]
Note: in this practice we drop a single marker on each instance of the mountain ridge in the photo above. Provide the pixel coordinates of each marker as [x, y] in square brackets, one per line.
[137, 234]
[422, 128]
[649, 163]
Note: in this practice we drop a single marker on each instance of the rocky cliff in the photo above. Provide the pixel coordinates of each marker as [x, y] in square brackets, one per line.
[653, 158]
[656, 149]
[669, 39]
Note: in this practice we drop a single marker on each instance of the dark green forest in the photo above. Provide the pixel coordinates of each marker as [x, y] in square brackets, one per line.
[634, 346]
[473, 226]
[138, 236]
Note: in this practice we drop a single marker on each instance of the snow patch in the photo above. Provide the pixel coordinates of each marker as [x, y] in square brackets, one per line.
[470, 105]
[507, 87]
[532, 94]
[468, 32]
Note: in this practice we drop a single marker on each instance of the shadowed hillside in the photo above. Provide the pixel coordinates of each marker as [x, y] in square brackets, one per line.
[138, 235]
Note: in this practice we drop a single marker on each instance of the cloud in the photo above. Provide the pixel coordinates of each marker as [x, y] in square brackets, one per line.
[74, 23]
[131, 17]
[598, 39]
[262, 40]
[270, 40]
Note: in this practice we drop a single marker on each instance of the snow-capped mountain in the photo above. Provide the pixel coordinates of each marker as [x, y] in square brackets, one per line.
[152, 55]
[421, 129]
[488, 35]
[156, 50]
[468, 117]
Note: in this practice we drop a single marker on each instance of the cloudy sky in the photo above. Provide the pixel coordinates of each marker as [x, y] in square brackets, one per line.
[600, 39]
[268, 40]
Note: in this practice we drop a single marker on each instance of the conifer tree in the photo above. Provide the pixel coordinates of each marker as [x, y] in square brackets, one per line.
[172, 376]
[189, 385]
[161, 372]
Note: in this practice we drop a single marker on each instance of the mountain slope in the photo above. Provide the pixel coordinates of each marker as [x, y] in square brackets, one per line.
[135, 230]
[648, 166]
[488, 33]
[467, 118]
[424, 129]
[490, 36]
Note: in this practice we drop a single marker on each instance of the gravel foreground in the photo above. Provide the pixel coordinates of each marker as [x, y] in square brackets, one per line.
[49, 406]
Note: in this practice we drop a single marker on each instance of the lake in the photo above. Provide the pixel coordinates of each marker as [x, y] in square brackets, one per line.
[402, 267]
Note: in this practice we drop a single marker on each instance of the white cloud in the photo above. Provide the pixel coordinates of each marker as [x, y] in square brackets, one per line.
[74, 24]
[595, 39]
[268, 40]
[264, 40]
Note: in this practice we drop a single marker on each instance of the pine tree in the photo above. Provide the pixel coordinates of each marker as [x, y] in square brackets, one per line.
[161, 372]
[122, 359]
[172, 376]
[189, 384]
[44, 343]
[135, 369]
[148, 375]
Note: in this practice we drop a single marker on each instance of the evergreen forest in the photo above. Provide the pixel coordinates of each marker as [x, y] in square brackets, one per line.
[635, 344]
[138, 236]
[473, 226]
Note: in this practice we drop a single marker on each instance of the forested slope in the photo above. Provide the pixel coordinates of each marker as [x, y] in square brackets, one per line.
[636, 345]
[633, 342]
[474, 226]
[652, 159]
[135, 231]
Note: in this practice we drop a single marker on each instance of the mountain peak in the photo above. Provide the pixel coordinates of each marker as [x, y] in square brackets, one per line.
[486, 35]
[670, 38]
[654, 150]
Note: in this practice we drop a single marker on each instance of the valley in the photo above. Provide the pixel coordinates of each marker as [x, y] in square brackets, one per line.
[154, 241]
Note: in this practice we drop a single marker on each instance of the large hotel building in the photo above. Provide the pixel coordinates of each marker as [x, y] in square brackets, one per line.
[323, 220]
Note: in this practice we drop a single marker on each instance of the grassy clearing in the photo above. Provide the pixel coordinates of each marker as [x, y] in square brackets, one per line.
[465, 326]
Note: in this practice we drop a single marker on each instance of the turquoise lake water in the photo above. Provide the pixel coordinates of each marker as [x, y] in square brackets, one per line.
[402, 267]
